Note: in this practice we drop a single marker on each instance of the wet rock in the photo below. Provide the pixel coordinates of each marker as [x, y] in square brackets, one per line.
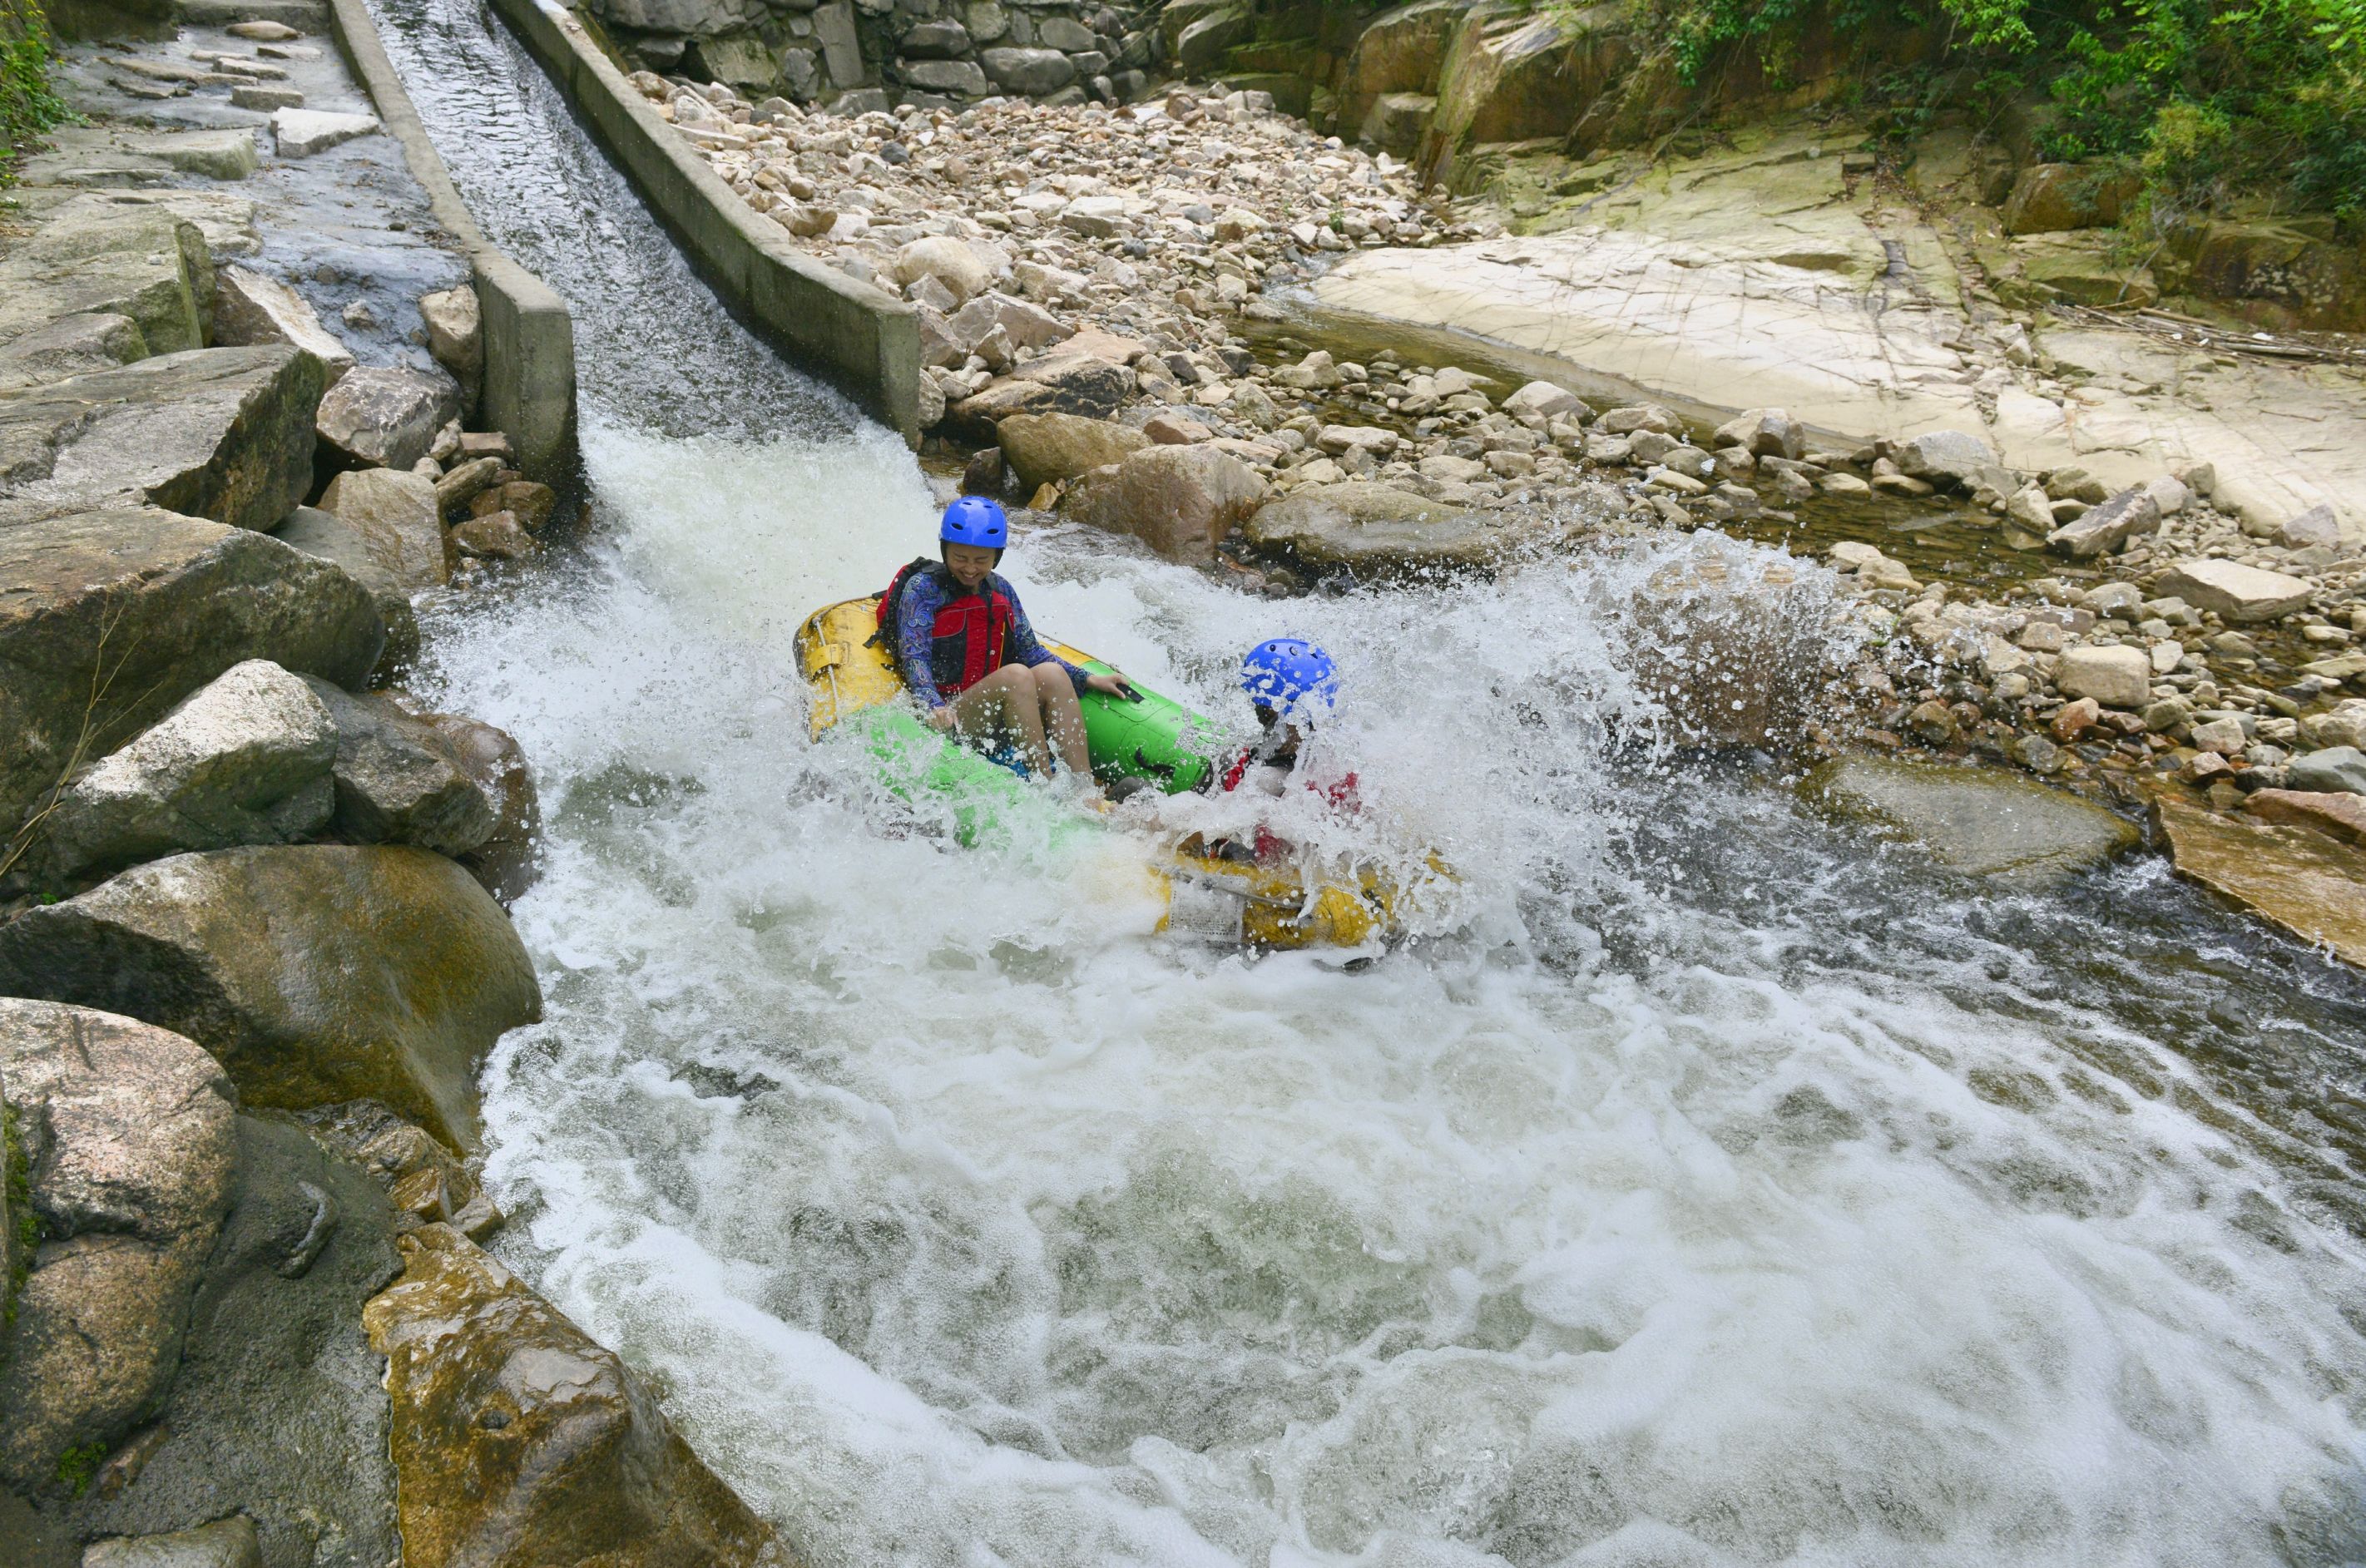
[528, 500]
[387, 416]
[301, 133]
[520, 1440]
[505, 862]
[495, 535]
[456, 334]
[2340, 814]
[397, 519]
[223, 434]
[1377, 530]
[2108, 526]
[324, 537]
[225, 1543]
[1991, 825]
[1763, 432]
[266, 96]
[2292, 877]
[1640, 416]
[1045, 449]
[131, 1169]
[250, 308]
[2114, 677]
[313, 973]
[2337, 770]
[1177, 500]
[2237, 593]
[1949, 458]
[147, 607]
[141, 263]
[243, 761]
[397, 780]
[984, 472]
[466, 481]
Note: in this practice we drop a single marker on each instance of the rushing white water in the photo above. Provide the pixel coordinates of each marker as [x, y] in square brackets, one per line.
[1723, 1190]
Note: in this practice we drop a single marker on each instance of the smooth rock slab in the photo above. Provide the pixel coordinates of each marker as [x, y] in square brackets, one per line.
[218, 433]
[2010, 830]
[1177, 500]
[2295, 878]
[244, 760]
[1375, 529]
[140, 264]
[130, 1163]
[387, 416]
[2343, 816]
[315, 973]
[225, 1543]
[521, 1441]
[145, 607]
[300, 133]
[2237, 593]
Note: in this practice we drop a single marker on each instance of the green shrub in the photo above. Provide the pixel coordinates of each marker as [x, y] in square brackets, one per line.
[27, 103]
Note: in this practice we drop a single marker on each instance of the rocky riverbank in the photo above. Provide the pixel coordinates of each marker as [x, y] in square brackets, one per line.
[253, 947]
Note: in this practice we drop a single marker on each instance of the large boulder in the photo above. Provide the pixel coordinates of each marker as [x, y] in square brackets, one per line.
[948, 260]
[2049, 198]
[243, 761]
[1177, 500]
[505, 862]
[398, 780]
[1030, 71]
[2298, 878]
[1401, 50]
[387, 415]
[2237, 593]
[1082, 384]
[1951, 459]
[521, 1441]
[316, 973]
[1200, 45]
[1988, 824]
[399, 517]
[1042, 448]
[255, 308]
[109, 619]
[325, 536]
[130, 1152]
[143, 264]
[2106, 528]
[1763, 432]
[217, 433]
[1377, 530]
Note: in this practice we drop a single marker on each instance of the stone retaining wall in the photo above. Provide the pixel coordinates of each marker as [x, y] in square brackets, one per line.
[529, 337]
[862, 339]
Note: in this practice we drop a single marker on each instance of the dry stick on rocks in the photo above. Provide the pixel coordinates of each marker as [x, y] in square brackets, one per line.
[101, 681]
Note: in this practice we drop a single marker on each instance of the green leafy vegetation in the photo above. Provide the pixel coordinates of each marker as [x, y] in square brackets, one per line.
[28, 105]
[15, 1171]
[78, 1467]
[2215, 102]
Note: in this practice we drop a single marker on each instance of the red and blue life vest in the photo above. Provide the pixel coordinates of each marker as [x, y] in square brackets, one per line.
[967, 639]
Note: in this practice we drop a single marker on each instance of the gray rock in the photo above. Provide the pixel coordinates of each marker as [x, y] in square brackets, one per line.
[250, 309]
[2237, 593]
[2336, 770]
[112, 154]
[245, 760]
[221, 433]
[400, 520]
[146, 607]
[935, 41]
[277, 1404]
[397, 780]
[1375, 530]
[694, 18]
[314, 973]
[266, 96]
[2317, 527]
[1023, 326]
[1064, 33]
[1949, 457]
[302, 133]
[140, 263]
[958, 76]
[1986, 824]
[1202, 42]
[387, 416]
[1177, 500]
[2106, 527]
[1080, 384]
[1041, 448]
[506, 863]
[70, 346]
[841, 50]
[130, 1169]
[323, 537]
[2117, 677]
[1031, 72]
[456, 334]
[1763, 432]
[225, 1543]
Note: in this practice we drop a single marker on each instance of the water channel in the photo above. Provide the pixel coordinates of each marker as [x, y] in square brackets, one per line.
[1713, 1185]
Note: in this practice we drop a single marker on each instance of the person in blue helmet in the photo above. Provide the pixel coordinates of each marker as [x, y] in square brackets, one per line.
[1292, 685]
[971, 660]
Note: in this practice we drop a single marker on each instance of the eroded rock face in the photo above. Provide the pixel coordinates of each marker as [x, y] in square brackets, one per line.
[397, 780]
[521, 1441]
[224, 433]
[315, 973]
[145, 607]
[1985, 824]
[130, 1149]
[1177, 500]
[244, 760]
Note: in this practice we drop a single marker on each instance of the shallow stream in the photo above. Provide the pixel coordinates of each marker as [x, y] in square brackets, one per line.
[1710, 1186]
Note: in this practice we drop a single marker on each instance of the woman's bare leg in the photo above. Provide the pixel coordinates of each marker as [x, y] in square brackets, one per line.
[1005, 707]
[1062, 720]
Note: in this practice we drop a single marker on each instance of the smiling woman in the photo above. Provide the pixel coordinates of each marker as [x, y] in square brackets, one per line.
[1708, 1185]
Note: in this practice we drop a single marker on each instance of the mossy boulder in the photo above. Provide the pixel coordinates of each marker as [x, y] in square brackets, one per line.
[316, 973]
[2007, 829]
[520, 1442]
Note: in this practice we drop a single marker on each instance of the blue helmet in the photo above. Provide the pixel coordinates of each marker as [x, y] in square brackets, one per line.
[1291, 676]
[975, 520]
